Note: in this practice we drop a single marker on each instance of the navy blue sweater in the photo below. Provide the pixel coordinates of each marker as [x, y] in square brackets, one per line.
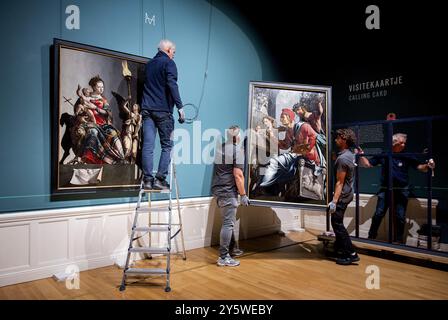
[160, 91]
[400, 168]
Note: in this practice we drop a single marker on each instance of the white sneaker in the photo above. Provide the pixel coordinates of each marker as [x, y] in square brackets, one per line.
[228, 262]
[236, 253]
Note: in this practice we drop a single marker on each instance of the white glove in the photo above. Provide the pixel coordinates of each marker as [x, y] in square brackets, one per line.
[245, 201]
[181, 115]
[359, 151]
[331, 207]
[431, 163]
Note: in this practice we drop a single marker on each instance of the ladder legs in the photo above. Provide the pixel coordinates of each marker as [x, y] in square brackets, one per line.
[148, 255]
[157, 227]
[179, 215]
[131, 239]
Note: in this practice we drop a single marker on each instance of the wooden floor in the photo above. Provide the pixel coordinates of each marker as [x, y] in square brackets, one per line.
[274, 267]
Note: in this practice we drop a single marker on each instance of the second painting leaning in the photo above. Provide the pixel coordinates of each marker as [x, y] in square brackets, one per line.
[288, 144]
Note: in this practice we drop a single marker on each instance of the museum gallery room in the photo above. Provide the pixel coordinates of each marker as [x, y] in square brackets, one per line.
[222, 150]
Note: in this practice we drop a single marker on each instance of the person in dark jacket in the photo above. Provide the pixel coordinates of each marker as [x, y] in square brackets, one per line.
[400, 182]
[160, 94]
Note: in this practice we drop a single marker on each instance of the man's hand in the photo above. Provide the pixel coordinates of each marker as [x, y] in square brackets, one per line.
[358, 150]
[331, 207]
[245, 201]
[431, 164]
[181, 115]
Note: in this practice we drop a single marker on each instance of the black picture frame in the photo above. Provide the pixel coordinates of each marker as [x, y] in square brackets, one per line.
[94, 149]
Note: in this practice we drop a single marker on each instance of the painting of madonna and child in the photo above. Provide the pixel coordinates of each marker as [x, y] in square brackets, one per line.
[288, 144]
[98, 118]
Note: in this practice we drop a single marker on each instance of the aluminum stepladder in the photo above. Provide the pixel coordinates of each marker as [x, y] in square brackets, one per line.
[138, 232]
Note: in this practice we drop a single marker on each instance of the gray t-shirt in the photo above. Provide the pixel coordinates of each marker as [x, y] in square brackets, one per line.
[227, 157]
[346, 162]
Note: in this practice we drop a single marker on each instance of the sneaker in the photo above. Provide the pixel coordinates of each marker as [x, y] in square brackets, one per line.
[348, 260]
[344, 261]
[161, 185]
[148, 185]
[354, 257]
[236, 252]
[228, 262]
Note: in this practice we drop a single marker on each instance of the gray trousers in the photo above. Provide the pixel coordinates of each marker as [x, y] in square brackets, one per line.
[228, 207]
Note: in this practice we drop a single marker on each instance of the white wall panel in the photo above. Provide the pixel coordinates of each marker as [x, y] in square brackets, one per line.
[53, 240]
[89, 237]
[15, 246]
[46, 242]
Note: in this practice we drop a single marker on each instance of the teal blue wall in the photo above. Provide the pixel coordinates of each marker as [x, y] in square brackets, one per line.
[28, 29]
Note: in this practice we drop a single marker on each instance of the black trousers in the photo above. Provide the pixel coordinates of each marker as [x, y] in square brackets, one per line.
[343, 243]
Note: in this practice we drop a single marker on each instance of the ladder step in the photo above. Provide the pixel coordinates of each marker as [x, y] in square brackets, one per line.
[149, 250]
[165, 224]
[156, 191]
[140, 229]
[150, 210]
[145, 271]
[151, 229]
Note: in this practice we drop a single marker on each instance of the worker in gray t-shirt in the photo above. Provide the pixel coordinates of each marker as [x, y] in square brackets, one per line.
[227, 183]
[343, 195]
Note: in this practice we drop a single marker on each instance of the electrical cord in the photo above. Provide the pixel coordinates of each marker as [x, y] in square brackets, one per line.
[192, 105]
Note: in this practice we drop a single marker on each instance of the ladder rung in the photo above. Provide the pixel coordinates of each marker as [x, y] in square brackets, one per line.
[151, 229]
[165, 224]
[151, 209]
[139, 230]
[145, 271]
[149, 250]
[156, 191]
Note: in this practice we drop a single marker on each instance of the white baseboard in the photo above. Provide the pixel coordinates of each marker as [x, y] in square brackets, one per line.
[416, 214]
[40, 244]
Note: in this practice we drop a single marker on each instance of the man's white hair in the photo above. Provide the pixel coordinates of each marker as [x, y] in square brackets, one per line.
[398, 136]
[165, 45]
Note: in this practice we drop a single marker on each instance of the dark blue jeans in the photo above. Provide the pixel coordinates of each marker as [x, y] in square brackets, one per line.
[153, 122]
[400, 203]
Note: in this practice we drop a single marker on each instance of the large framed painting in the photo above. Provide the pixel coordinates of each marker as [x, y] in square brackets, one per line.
[288, 144]
[96, 122]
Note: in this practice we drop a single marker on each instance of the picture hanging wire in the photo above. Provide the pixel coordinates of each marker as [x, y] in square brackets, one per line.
[192, 105]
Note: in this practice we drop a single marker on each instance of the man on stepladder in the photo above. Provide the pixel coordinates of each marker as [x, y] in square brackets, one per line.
[228, 182]
[160, 93]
